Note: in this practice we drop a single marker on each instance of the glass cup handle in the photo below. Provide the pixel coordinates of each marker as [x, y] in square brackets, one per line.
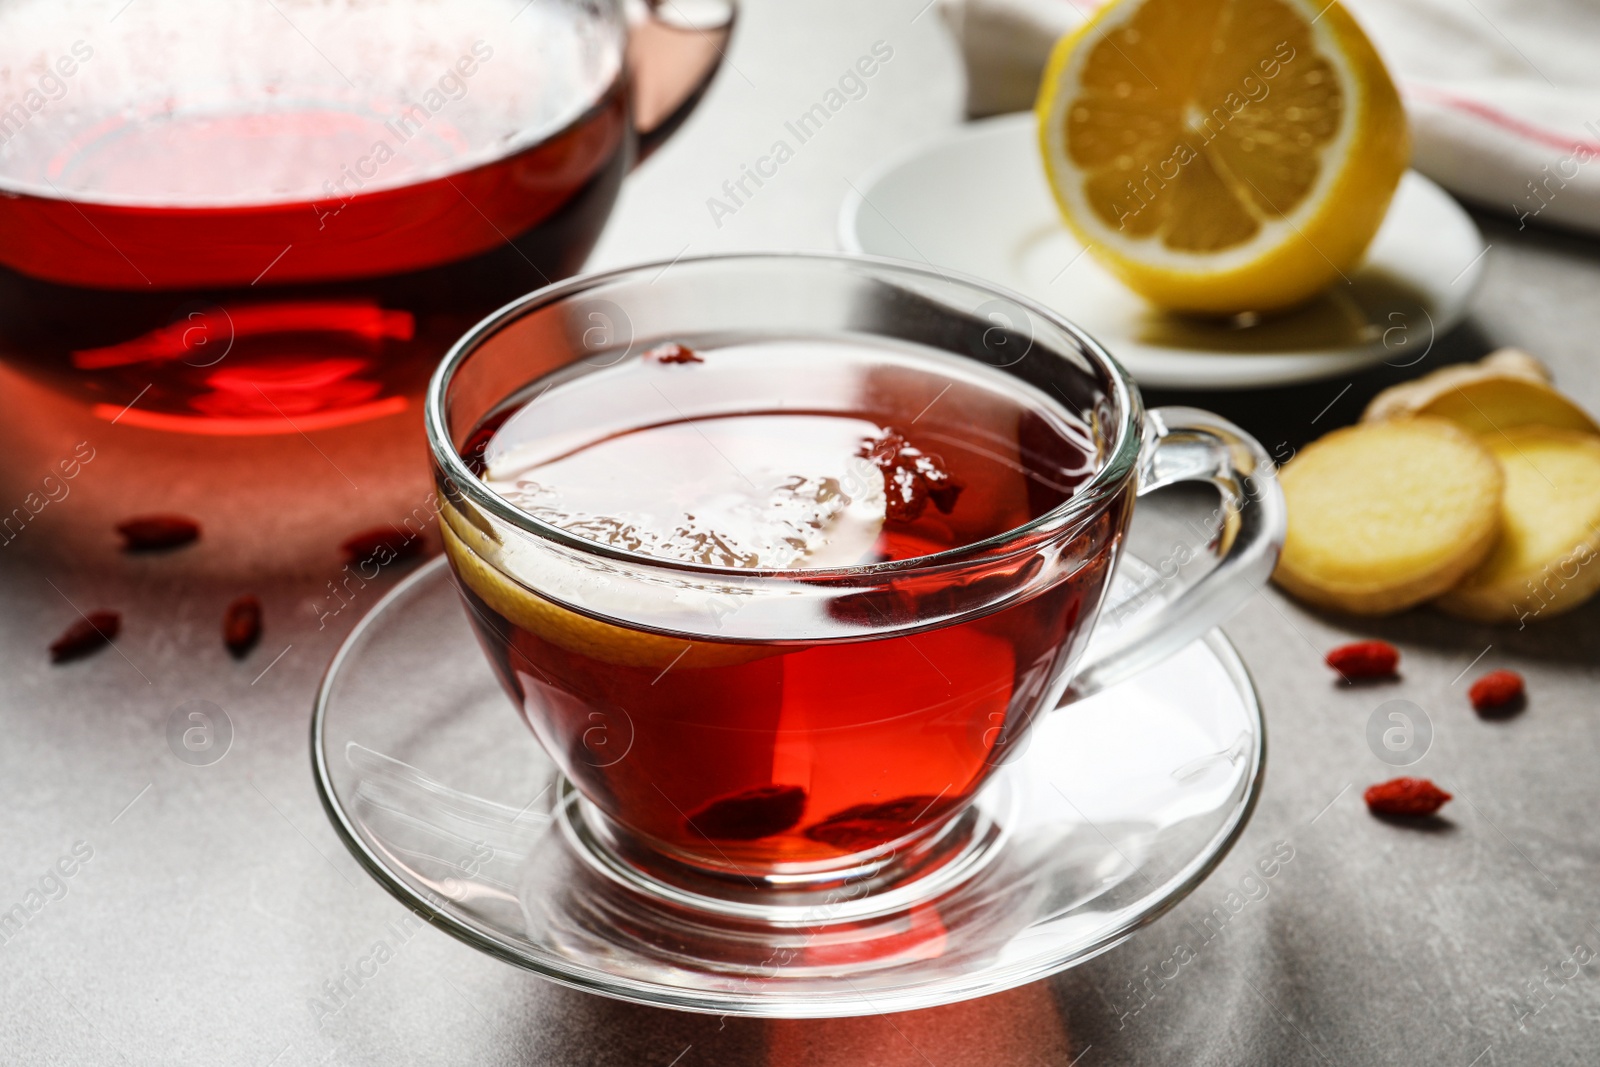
[1189, 445]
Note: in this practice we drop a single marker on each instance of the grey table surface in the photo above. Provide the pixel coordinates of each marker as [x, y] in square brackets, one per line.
[216, 901]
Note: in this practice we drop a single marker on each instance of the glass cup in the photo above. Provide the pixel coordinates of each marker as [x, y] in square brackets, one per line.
[273, 218]
[675, 780]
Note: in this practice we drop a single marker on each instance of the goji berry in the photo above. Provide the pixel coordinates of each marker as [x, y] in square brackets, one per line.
[751, 815]
[911, 477]
[241, 625]
[89, 634]
[673, 352]
[1496, 691]
[865, 825]
[368, 544]
[152, 533]
[1405, 796]
[1365, 659]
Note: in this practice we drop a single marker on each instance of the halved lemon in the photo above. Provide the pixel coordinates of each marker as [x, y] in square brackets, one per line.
[1222, 156]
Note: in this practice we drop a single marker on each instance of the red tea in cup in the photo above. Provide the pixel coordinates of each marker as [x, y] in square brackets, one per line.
[782, 556]
[804, 457]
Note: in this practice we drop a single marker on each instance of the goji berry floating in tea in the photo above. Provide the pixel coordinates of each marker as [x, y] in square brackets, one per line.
[1365, 659]
[89, 634]
[241, 625]
[153, 533]
[911, 477]
[1496, 691]
[1405, 796]
[673, 352]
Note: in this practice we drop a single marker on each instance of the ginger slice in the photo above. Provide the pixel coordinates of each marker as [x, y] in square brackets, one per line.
[1506, 390]
[1545, 562]
[1386, 515]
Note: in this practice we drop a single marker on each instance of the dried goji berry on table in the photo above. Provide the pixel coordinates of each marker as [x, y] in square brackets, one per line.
[1496, 691]
[89, 634]
[368, 544]
[241, 625]
[1405, 796]
[152, 533]
[1365, 659]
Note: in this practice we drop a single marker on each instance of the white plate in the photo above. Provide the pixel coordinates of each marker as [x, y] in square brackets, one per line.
[975, 200]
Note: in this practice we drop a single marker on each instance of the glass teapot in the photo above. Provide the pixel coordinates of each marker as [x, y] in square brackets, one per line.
[248, 218]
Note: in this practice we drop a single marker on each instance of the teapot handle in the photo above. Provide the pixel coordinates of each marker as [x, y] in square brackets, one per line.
[674, 48]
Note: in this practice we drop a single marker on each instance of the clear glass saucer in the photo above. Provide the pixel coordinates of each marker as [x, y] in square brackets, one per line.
[1113, 810]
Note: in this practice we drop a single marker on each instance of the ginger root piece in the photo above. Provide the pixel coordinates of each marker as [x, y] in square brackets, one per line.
[1386, 515]
[1505, 390]
[1545, 561]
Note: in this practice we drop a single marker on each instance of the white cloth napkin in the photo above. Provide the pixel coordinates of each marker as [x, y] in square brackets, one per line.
[1503, 95]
